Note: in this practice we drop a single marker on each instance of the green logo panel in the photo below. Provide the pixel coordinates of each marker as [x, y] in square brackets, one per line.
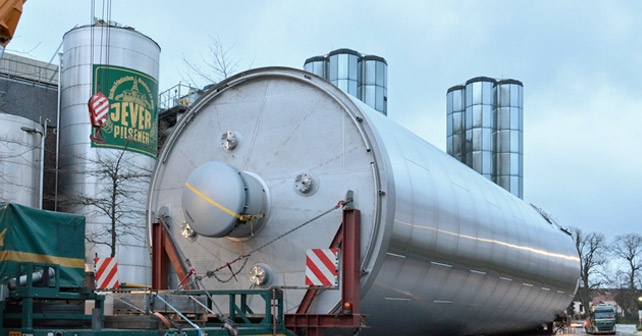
[132, 121]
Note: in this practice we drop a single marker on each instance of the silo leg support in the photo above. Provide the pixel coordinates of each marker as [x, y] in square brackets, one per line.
[349, 236]
[162, 251]
[351, 275]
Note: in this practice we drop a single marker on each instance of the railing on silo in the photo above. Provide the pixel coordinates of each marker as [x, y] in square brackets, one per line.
[179, 94]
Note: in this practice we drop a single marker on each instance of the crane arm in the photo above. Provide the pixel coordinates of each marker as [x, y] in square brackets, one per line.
[10, 11]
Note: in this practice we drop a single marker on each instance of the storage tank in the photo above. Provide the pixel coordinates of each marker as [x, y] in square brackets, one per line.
[444, 250]
[122, 64]
[509, 156]
[480, 125]
[20, 160]
[316, 65]
[375, 82]
[344, 70]
[455, 122]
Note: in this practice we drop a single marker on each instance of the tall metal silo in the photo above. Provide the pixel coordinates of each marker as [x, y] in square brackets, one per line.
[480, 125]
[375, 83]
[123, 64]
[509, 157]
[455, 118]
[344, 70]
[20, 160]
[316, 65]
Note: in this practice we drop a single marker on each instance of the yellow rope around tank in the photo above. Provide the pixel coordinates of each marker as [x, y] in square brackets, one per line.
[243, 218]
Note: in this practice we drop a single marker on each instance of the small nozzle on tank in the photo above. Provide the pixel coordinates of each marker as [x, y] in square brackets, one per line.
[221, 201]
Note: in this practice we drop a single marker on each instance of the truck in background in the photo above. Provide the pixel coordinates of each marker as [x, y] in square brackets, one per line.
[601, 320]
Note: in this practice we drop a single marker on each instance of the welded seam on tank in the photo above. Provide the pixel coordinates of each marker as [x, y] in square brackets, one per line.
[494, 241]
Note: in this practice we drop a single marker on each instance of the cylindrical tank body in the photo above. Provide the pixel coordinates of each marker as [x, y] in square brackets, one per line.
[129, 62]
[344, 70]
[20, 155]
[509, 158]
[375, 82]
[480, 125]
[455, 122]
[444, 250]
[316, 65]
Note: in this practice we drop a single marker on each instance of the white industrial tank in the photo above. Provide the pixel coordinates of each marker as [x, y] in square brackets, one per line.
[20, 160]
[444, 250]
[123, 64]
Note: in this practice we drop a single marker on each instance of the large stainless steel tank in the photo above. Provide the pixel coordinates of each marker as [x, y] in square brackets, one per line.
[444, 250]
[20, 160]
[109, 46]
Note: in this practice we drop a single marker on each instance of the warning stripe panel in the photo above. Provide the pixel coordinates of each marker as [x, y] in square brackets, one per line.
[106, 273]
[321, 267]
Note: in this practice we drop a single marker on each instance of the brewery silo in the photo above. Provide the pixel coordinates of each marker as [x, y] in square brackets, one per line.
[455, 117]
[316, 65]
[344, 70]
[509, 158]
[123, 64]
[480, 125]
[20, 160]
[375, 82]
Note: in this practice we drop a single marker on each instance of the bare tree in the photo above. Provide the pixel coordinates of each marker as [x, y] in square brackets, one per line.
[592, 249]
[217, 65]
[119, 196]
[629, 249]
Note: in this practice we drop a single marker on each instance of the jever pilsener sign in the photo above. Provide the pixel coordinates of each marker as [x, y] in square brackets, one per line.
[132, 120]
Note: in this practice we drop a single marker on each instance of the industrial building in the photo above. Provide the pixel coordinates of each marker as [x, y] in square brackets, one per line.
[362, 76]
[28, 116]
[485, 129]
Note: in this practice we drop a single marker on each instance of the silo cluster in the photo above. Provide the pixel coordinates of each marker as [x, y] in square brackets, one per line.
[485, 129]
[362, 76]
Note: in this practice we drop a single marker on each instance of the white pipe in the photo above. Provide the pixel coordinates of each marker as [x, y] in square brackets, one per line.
[42, 163]
[57, 134]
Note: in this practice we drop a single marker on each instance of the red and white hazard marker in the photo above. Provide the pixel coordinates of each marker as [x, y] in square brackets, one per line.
[106, 273]
[98, 109]
[321, 267]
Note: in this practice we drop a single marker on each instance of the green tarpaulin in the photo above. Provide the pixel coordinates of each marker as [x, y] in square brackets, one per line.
[40, 236]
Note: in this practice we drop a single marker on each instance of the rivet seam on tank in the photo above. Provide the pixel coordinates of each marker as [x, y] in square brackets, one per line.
[243, 218]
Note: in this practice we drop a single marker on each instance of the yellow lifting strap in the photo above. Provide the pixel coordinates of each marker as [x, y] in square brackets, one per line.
[243, 218]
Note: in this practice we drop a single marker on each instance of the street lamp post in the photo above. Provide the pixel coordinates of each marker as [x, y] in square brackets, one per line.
[640, 311]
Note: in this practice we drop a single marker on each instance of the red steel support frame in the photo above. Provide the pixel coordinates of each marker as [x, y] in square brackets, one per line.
[163, 251]
[349, 236]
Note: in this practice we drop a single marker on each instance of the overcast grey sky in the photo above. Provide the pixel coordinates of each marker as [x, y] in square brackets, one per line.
[580, 62]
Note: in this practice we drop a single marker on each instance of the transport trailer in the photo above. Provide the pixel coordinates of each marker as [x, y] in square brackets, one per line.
[34, 302]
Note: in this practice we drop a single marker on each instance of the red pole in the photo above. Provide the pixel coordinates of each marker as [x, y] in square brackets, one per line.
[159, 258]
[351, 276]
